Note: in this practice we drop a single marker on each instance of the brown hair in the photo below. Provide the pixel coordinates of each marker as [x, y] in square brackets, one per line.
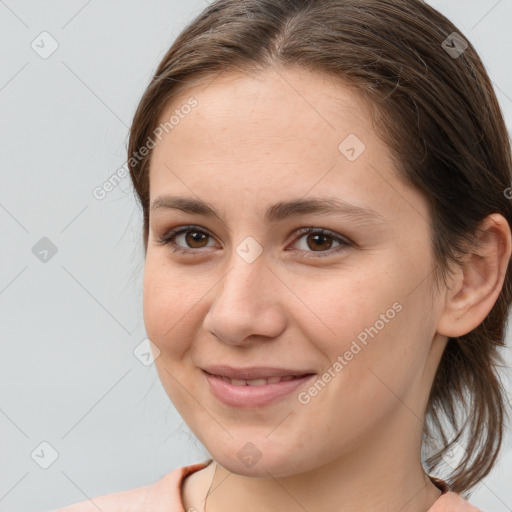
[438, 113]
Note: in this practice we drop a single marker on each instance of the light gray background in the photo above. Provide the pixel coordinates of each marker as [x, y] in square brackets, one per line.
[69, 326]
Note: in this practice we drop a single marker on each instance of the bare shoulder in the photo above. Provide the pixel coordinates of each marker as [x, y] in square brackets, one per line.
[453, 502]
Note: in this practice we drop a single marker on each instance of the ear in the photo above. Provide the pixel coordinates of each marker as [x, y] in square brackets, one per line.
[477, 283]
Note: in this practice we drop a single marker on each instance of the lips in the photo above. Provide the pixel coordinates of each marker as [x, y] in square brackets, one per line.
[255, 375]
[257, 382]
[256, 386]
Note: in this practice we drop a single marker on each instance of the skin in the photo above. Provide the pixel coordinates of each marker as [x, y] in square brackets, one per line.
[251, 142]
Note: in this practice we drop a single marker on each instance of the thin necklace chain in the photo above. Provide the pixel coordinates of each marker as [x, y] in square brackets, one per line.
[210, 488]
[215, 472]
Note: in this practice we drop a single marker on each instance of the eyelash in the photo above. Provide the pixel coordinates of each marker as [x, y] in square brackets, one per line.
[172, 233]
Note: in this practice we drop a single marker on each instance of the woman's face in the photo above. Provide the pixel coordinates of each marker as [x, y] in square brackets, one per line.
[261, 161]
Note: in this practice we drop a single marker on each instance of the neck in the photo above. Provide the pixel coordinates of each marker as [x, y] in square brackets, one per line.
[373, 476]
[321, 491]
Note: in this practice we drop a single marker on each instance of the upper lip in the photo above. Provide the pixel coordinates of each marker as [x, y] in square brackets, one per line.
[254, 372]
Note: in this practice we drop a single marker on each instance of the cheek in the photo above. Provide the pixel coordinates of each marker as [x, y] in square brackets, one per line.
[168, 310]
[384, 361]
[336, 307]
[168, 307]
[370, 319]
[371, 379]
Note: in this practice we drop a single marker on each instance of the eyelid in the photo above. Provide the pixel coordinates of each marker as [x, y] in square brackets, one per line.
[171, 233]
[167, 238]
[322, 231]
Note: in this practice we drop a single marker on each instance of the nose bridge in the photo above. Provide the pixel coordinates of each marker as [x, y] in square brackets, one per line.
[247, 267]
[242, 285]
[244, 302]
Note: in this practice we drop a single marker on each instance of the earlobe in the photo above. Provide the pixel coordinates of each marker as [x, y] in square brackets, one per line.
[477, 283]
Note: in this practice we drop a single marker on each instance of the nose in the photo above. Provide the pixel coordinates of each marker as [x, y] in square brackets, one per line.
[247, 303]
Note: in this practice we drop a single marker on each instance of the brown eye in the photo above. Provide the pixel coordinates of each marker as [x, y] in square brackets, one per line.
[321, 241]
[188, 237]
[195, 239]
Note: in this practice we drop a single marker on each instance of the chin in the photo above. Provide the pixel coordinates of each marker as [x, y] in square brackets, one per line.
[260, 462]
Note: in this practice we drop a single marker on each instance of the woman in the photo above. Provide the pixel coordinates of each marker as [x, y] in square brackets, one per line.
[327, 246]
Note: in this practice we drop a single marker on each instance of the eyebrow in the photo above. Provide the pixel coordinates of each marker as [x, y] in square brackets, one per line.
[278, 211]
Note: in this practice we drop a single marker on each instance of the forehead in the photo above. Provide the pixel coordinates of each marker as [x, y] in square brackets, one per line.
[308, 105]
[280, 133]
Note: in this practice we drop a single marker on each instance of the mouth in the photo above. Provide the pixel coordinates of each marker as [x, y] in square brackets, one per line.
[257, 382]
[234, 391]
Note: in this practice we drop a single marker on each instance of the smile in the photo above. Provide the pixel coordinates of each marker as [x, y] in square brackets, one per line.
[253, 392]
[258, 382]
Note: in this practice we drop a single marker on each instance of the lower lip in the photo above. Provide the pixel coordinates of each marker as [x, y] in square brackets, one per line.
[252, 396]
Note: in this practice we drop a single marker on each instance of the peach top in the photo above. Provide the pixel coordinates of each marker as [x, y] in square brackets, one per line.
[165, 496]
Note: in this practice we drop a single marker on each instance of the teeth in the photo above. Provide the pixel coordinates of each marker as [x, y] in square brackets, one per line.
[257, 382]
